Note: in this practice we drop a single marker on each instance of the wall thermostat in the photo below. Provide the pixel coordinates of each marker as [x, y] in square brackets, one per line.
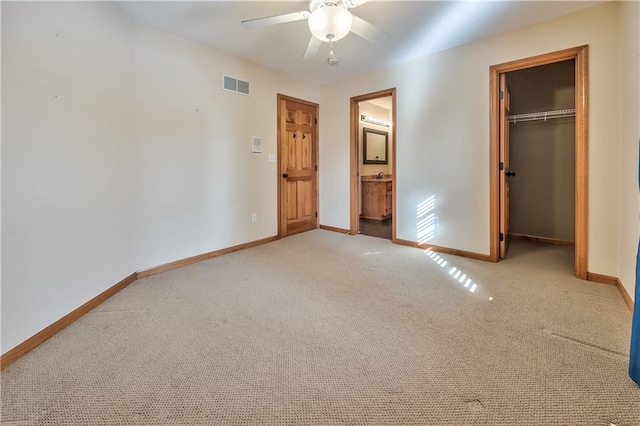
[256, 144]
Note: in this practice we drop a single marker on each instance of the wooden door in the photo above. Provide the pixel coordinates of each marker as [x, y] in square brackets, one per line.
[297, 166]
[505, 100]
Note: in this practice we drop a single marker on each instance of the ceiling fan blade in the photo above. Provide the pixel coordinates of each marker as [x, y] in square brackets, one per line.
[368, 31]
[312, 48]
[277, 19]
[355, 3]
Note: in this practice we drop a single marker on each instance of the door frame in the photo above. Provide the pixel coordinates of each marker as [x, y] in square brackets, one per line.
[316, 157]
[580, 55]
[354, 174]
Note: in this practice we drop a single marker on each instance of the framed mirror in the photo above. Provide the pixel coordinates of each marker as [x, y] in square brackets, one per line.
[375, 146]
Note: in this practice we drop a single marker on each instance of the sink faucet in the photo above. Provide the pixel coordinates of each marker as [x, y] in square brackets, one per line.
[379, 176]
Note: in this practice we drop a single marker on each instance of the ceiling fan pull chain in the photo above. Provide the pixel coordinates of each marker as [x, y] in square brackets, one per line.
[333, 61]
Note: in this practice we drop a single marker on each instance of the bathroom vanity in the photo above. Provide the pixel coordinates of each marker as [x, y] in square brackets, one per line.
[377, 197]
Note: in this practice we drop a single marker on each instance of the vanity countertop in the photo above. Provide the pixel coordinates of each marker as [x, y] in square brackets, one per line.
[375, 179]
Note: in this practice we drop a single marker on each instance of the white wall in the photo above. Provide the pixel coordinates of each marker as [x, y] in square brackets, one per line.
[67, 160]
[442, 144]
[121, 152]
[630, 134]
[197, 181]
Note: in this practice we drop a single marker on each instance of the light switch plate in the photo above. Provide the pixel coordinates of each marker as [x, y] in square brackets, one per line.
[272, 158]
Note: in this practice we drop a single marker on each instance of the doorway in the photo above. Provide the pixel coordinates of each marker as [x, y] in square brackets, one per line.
[297, 166]
[502, 174]
[542, 153]
[373, 172]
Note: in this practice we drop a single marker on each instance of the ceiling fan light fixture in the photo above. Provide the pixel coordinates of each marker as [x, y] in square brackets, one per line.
[330, 23]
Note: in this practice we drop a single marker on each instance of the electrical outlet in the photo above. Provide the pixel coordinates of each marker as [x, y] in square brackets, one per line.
[254, 217]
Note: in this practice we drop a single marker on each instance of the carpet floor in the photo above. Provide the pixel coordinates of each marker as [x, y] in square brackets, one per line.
[327, 329]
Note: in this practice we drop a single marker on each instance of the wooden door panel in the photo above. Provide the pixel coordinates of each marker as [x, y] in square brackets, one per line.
[292, 201]
[290, 116]
[304, 197]
[305, 158]
[299, 159]
[300, 207]
[291, 159]
[305, 118]
[505, 101]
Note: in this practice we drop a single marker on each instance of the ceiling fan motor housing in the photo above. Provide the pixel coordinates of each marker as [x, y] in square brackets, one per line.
[330, 22]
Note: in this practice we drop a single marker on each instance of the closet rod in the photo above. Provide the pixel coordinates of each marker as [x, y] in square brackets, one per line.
[544, 115]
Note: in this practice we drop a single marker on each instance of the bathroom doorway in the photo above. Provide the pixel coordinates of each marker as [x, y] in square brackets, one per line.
[373, 148]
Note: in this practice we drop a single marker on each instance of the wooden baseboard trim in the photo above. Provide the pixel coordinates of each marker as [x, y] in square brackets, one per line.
[602, 279]
[607, 279]
[446, 250]
[625, 296]
[334, 229]
[545, 240]
[194, 259]
[14, 354]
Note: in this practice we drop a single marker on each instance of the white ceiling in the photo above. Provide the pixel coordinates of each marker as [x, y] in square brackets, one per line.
[385, 103]
[416, 28]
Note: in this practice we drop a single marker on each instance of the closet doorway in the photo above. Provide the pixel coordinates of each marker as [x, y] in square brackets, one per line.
[372, 177]
[538, 147]
[542, 153]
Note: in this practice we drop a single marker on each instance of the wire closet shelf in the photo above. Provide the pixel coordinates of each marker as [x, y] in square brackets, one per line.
[544, 115]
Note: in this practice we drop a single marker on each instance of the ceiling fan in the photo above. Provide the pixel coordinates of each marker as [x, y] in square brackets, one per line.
[329, 21]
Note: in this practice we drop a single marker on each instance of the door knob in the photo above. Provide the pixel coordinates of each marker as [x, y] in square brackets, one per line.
[510, 173]
[285, 175]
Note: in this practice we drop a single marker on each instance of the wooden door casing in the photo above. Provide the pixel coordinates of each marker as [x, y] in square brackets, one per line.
[355, 159]
[297, 140]
[581, 56]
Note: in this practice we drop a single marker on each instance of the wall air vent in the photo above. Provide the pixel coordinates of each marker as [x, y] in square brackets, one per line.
[233, 84]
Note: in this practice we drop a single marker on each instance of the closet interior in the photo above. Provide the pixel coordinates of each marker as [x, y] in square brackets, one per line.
[542, 153]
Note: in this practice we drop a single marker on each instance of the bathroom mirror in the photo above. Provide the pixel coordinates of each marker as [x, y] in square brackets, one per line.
[375, 146]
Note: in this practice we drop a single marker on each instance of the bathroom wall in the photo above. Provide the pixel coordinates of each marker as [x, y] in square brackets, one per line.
[371, 110]
[376, 111]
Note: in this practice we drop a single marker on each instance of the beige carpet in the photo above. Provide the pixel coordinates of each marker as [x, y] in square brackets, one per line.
[327, 329]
